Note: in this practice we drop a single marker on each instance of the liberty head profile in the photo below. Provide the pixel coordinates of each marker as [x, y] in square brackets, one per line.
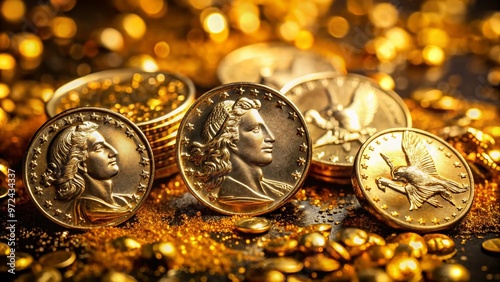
[81, 166]
[236, 145]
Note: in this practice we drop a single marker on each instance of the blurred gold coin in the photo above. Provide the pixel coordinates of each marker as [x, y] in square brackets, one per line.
[429, 262]
[380, 255]
[373, 275]
[320, 227]
[125, 243]
[352, 237]
[23, 260]
[492, 245]
[116, 276]
[312, 242]
[262, 275]
[253, 225]
[281, 246]
[439, 244]
[451, 272]
[57, 259]
[283, 264]
[4, 249]
[375, 239]
[320, 262]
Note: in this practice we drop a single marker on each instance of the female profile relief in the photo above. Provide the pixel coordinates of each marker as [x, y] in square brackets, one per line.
[81, 167]
[236, 145]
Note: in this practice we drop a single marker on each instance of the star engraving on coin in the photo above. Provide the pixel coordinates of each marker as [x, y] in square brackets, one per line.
[232, 156]
[84, 170]
[412, 176]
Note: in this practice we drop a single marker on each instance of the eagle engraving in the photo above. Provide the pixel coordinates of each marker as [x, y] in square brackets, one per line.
[421, 181]
[345, 124]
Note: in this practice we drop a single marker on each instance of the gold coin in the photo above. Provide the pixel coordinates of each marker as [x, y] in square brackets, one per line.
[343, 111]
[146, 98]
[352, 237]
[439, 244]
[23, 261]
[320, 227]
[403, 268]
[57, 259]
[320, 262]
[413, 180]
[88, 167]
[449, 272]
[283, 264]
[253, 225]
[375, 239]
[126, 243]
[492, 245]
[281, 246]
[312, 242]
[4, 249]
[373, 275]
[263, 275]
[429, 262]
[273, 64]
[116, 276]
[243, 148]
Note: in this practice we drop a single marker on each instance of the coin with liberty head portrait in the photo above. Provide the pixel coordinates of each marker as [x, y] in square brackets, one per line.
[88, 167]
[243, 148]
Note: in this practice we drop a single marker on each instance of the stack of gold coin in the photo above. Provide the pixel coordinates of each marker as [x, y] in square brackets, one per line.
[154, 101]
[342, 112]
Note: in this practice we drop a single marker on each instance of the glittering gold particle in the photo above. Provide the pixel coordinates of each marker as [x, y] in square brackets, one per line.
[12, 10]
[338, 27]
[384, 15]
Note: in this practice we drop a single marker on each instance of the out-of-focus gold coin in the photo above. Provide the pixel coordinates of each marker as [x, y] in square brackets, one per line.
[413, 180]
[88, 167]
[403, 268]
[4, 191]
[283, 264]
[337, 251]
[320, 262]
[272, 64]
[57, 259]
[492, 245]
[452, 272]
[352, 237]
[415, 241]
[281, 246]
[116, 276]
[264, 275]
[243, 148]
[253, 225]
[343, 111]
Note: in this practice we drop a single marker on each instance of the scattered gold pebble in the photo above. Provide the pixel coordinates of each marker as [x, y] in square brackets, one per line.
[312, 242]
[373, 275]
[439, 244]
[57, 259]
[451, 272]
[403, 268]
[261, 275]
[281, 246]
[283, 264]
[320, 262]
[337, 251]
[126, 243]
[415, 241]
[352, 237]
[253, 225]
[491, 245]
